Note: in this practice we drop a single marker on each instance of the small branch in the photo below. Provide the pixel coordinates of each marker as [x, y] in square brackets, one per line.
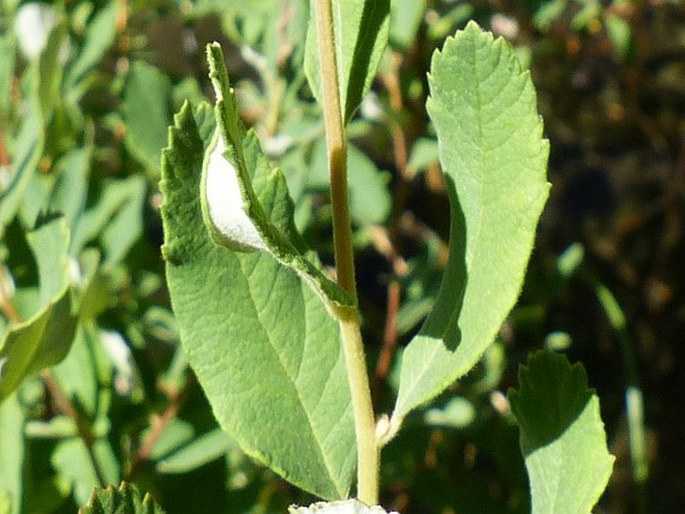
[8, 309]
[157, 426]
[391, 82]
[389, 331]
[64, 405]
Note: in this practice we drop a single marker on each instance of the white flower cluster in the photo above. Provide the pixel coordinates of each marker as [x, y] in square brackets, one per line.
[339, 507]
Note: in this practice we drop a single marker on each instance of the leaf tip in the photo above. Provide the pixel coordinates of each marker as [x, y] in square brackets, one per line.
[217, 69]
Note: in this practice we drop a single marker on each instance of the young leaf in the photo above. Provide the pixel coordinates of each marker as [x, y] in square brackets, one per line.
[146, 113]
[77, 373]
[7, 50]
[370, 200]
[100, 35]
[72, 461]
[259, 339]
[44, 339]
[405, 18]
[361, 33]
[198, 452]
[27, 150]
[494, 158]
[116, 220]
[71, 186]
[125, 500]
[562, 435]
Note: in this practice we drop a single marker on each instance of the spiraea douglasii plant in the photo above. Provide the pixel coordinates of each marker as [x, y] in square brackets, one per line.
[268, 341]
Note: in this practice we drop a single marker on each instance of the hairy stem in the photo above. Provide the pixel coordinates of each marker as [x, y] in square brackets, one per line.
[336, 145]
[368, 450]
[350, 331]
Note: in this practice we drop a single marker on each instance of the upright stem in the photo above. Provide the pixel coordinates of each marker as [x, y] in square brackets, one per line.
[350, 332]
[336, 145]
[368, 450]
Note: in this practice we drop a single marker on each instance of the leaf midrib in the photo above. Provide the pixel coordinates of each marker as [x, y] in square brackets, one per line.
[292, 381]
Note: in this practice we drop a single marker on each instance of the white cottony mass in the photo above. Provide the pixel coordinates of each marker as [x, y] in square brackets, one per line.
[339, 507]
[225, 204]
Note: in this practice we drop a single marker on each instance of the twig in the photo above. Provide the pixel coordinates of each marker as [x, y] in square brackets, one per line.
[389, 331]
[157, 426]
[66, 407]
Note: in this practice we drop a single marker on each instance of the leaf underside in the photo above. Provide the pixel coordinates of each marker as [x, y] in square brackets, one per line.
[565, 449]
[361, 34]
[494, 159]
[261, 342]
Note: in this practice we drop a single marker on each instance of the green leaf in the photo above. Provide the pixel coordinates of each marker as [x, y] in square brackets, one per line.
[26, 152]
[562, 435]
[7, 63]
[548, 13]
[77, 373]
[44, 339]
[239, 188]
[619, 31]
[100, 35]
[259, 25]
[11, 456]
[370, 200]
[494, 158]
[50, 71]
[116, 220]
[361, 33]
[70, 191]
[260, 341]
[125, 500]
[146, 113]
[405, 18]
[49, 245]
[424, 153]
[176, 434]
[200, 451]
[72, 460]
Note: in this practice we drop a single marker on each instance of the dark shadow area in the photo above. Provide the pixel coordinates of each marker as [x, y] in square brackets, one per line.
[442, 323]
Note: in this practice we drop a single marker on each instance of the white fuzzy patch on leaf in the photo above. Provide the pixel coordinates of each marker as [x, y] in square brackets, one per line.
[225, 204]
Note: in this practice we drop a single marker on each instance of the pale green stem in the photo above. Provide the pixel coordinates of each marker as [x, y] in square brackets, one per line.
[350, 332]
[368, 450]
[336, 145]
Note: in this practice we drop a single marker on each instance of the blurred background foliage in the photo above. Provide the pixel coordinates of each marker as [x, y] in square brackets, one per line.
[87, 90]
